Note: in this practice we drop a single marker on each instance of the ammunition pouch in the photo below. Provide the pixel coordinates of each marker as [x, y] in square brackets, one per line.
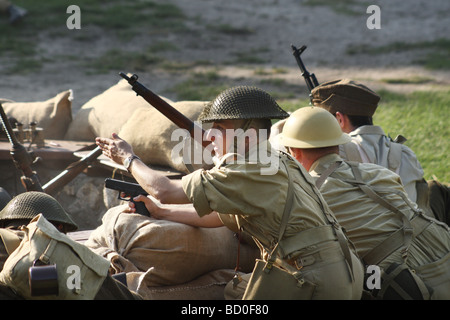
[398, 282]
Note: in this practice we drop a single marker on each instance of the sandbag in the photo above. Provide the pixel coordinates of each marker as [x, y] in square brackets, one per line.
[106, 113]
[150, 134]
[171, 253]
[53, 115]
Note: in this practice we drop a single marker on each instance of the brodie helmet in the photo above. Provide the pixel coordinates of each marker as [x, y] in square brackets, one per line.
[312, 127]
[29, 204]
[242, 103]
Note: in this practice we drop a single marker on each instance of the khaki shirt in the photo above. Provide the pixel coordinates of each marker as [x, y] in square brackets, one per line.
[368, 223]
[373, 146]
[243, 196]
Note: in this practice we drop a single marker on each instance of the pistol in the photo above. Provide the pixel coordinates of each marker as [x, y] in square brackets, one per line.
[131, 190]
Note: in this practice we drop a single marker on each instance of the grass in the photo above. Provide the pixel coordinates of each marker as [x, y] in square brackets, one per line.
[435, 56]
[421, 117]
[201, 86]
[111, 59]
[121, 20]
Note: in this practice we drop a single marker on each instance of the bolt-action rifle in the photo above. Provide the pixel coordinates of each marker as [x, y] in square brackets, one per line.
[166, 109]
[310, 78]
[22, 158]
[70, 173]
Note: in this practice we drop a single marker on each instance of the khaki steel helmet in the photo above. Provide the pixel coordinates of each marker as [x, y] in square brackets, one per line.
[242, 102]
[312, 127]
[345, 96]
[29, 204]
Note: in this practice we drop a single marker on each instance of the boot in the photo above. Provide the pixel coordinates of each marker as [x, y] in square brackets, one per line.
[16, 14]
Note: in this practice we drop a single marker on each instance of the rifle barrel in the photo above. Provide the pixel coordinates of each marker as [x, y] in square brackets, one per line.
[71, 172]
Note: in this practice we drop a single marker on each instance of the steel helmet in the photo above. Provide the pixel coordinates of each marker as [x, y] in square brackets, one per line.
[312, 127]
[242, 102]
[29, 204]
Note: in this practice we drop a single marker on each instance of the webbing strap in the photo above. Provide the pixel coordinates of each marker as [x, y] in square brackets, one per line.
[351, 152]
[394, 156]
[284, 218]
[407, 229]
[45, 256]
[342, 239]
[327, 173]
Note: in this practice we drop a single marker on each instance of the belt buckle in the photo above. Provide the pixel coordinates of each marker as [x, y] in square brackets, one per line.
[305, 261]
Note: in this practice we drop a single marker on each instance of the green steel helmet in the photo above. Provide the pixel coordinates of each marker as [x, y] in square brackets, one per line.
[29, 204]
[242, 103]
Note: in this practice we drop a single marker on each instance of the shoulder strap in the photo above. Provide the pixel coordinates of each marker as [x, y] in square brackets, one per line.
[284, 219]
[341, 237]
[393, 242]
[394, 156]
[351, 152]
[327, 173]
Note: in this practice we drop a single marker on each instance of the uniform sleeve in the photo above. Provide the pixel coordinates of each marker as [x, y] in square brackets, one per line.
[193, 187]
[235, 190]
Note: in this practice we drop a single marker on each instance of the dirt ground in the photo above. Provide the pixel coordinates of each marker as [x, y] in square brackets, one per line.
[265, 28]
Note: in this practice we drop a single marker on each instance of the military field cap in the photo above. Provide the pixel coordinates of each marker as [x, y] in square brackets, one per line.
[312, 127]
[29, 204]
[345, 96]
[242, 102]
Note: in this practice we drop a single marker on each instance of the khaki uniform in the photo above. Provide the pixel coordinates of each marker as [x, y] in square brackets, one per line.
[367, 223]
[371, 145]
[246, 198]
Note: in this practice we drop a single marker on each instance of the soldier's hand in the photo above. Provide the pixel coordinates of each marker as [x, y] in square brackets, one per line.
[115, 148]
[152, 207]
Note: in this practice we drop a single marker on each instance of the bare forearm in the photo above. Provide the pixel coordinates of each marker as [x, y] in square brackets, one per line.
[189, 216]
[157, 184]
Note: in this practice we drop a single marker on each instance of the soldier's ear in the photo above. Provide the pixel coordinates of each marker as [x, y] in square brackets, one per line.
[342, 119]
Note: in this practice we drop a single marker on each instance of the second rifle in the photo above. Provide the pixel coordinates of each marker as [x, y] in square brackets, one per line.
[310, 78]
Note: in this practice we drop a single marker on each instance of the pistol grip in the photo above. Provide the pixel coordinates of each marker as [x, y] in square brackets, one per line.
[140, 208]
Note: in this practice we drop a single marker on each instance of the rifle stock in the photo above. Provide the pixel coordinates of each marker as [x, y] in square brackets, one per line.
[166, 109]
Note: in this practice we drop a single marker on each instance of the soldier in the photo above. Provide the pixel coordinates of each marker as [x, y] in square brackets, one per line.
[236, 193]
[14, 12]
[353, 105]
[369, 201]
[12, 218]
[20, 211]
